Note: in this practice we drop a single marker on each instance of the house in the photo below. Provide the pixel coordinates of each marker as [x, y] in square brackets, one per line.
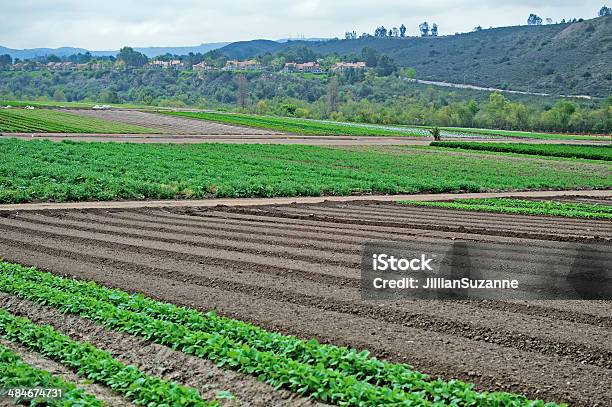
[307, 67]
[250, 65]
[175, 63]
[343, 66]
[203, 66]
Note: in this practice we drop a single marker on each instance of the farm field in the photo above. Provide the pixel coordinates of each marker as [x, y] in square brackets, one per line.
[327, 127]
[599, 210]
[529, 134]
[44, 120]
[77, 171]
[601, 152]
[295, 269]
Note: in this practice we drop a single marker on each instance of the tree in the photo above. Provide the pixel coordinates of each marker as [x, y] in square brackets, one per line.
[434, 30]
[478, 28]
[241, 99]
[395, 31]
[370, 57]
[131, 58]
[402, 31]
[332, 95]
[380, 31]
[385, 65]
[424, 29]
[534, 20]
[605, 11]
[549, 20]
[5, 60]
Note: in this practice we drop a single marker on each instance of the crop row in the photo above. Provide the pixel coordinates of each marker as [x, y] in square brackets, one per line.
[15, 374]
[43, 120]
[522, 134]
[328, 373]
[71, 171]
[603, 152]
[298, 126]
[523, 207]
[96, 365]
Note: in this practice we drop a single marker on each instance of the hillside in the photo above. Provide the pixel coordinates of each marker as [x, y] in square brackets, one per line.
[571, 58]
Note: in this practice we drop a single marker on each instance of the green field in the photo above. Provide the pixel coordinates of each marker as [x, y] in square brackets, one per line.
[54, 121]
[87, 105]
[523, 207]
[330, 374]
[299, 126]
[603, 152]
[529, 134]
[41, 170]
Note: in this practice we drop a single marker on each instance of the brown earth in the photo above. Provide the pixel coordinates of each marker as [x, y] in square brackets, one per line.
[295, 268]
[170, 124]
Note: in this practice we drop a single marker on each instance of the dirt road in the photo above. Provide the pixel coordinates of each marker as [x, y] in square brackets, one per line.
[314, 199]
[295, 268]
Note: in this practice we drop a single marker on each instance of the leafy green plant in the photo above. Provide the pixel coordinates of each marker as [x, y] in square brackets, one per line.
[602, 152]
[15, 374]
[325, 372]
[435, 133]
[54, 121]
[42, 170]
[97, 365]
[522, 206]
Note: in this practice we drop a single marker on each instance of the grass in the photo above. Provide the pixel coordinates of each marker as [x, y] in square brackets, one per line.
[603, 152]
[335, 375]
[53, 121]
[41, 170]
[524, 207]
[300, 126]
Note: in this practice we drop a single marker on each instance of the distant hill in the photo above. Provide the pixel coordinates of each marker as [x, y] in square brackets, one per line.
[148, 51]
[248, 49]
[571, 58]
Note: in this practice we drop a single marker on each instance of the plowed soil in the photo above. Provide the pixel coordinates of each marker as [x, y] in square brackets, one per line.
[169, 124]
[295, 268]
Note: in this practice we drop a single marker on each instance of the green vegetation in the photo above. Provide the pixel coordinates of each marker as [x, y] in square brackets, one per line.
[524, 207]
[53, 121]
[53, 103]
[296, 125]
[527, 134]
[366, 99]
[95, 364]
[15, 374]
[603, 152]
[41, 170]
[324, 372]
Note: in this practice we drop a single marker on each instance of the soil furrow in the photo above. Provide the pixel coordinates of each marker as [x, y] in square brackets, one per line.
[484, 363]
[454, 323]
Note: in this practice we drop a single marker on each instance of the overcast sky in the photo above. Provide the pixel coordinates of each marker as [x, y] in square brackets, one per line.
[110, 24]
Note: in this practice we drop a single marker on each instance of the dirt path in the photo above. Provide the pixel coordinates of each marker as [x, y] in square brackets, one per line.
[597, 194]
[295, 268]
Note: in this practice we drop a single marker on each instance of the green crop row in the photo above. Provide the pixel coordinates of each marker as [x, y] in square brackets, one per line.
[54, 121]
[329, 373]
[524, 134]
[524, 207]
[15, 374]
[41, 170]
[298, 126]
[97, 365]
[603, 152]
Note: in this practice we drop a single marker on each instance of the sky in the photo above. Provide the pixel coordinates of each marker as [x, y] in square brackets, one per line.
[111, 24]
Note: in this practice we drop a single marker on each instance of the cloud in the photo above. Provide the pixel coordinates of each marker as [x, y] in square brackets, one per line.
[111, 24]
